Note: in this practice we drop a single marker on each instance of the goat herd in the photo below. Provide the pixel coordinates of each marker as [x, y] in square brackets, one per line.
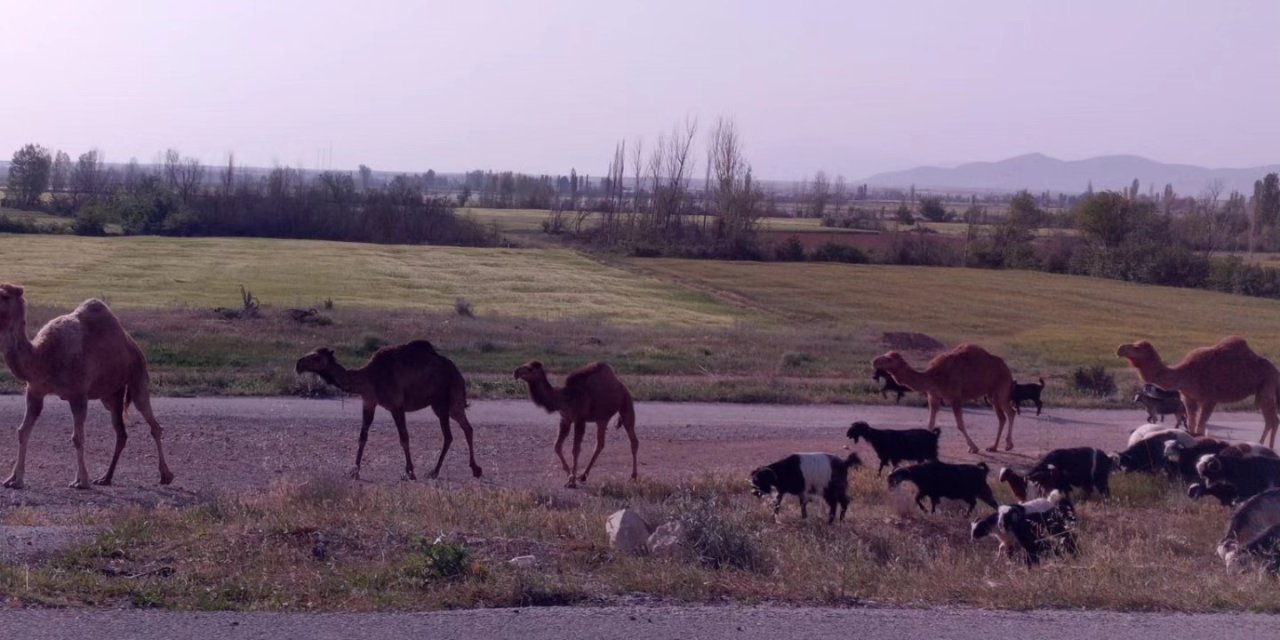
[87, 355]
[1043, 520]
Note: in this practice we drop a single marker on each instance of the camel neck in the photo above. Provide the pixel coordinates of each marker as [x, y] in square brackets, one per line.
[350, 381]
[914, 379]
[544, 395]
[17, 351]
[1158, 374]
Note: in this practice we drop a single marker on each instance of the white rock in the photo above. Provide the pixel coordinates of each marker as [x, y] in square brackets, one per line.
[627, 531]
[523, 561]
[666, 538]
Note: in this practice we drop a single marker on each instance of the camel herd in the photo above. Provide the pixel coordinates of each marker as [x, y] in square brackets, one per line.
[87, 355]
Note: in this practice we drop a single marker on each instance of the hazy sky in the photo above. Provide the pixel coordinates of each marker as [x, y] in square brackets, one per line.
[853, 88]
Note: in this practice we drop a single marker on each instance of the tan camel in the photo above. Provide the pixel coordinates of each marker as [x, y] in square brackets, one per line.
[402, 379]
[1225, 372]
[82, 356]
[967, 372]
[590, 394]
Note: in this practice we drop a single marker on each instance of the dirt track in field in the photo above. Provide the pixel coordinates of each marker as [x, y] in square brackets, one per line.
[238, 443]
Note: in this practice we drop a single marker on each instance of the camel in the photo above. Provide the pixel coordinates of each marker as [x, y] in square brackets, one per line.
[590, 394]
[1225, 372]
[401, 379]
[81, 356]
[967, 372]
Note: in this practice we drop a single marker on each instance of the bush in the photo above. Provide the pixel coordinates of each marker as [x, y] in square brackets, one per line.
[90, 222]
[792, 359]
[717, 542]
[370, 343]
[9, 225]
[1094, 380]
[835, 252]
[791, 251]
[436, 560]
[463, 308]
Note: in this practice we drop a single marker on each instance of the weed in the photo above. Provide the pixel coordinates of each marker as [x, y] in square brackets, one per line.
[1094, 380]
[463, 308]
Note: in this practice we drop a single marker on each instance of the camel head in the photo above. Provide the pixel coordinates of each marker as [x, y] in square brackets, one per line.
[321, 362]
[530, 371]
[13, 307]
[1138, 354]
[891, 362]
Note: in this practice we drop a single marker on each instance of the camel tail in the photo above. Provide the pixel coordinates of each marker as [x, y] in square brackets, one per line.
[626, 415]
[139, 384]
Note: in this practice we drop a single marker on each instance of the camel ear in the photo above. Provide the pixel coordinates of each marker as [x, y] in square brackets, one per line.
[535, 364]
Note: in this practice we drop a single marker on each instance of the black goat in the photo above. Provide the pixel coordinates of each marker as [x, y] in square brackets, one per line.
[890, 385]
[1160, 403]
[1248, 475]
[1146, 453]
[1184, 458]
[894, 446]
[1038, 526]
[1062, 469]
[803, 474]
[1028, 392]
[937, 480]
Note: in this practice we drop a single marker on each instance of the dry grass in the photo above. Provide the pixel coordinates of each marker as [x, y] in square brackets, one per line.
[330, 544]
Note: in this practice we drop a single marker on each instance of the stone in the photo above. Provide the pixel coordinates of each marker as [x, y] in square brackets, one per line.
[667, 539]
[627, 531]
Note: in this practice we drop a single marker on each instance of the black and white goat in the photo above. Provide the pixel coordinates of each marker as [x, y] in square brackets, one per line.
[1253, 532]
[805, 474]
[1231, 476]
[893, 446]
[1160, 403]
[1146, 449]
[1027, 392]
[890, 386]
[937, 480]
[1063, 469]
[1036, 527]
[1184, 457]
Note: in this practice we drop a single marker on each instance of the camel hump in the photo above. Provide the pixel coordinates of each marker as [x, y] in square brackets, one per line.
[95, 313]
[420, 347]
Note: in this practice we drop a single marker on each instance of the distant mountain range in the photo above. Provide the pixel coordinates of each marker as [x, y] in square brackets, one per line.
[1038, 172]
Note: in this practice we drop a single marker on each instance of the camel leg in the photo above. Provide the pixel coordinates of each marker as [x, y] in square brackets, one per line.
[35, 404]
[1270, 420]
[579, 430]
[602, 427]
[1206, 410]
[459, 414]
[447, 433]
[1008, 436]
[115, 404]
[366, 419]
[564, 433]
[403, 429]
[935, 403]
[79, 408]
[635, 445]
[959, 413]
[1193, 414]
[142, 400]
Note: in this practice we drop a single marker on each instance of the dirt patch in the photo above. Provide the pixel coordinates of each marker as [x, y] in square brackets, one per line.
[23, 544]
[910, 341]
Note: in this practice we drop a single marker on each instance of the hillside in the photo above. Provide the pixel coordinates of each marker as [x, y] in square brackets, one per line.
[1038, 172]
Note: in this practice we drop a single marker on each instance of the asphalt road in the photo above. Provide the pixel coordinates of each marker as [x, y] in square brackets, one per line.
[630, 623]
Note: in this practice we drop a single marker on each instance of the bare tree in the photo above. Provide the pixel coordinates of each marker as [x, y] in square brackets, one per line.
[189, 174]
[60, 175]
[366, 178]
[670, 169]
[819, 193]
[227, 179]
[88, 177]
[733, 194]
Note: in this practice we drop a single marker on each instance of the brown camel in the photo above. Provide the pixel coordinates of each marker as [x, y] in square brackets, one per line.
[82, 356]
[402, 379]
[967, 372]
[590, 394]
[1225, 372]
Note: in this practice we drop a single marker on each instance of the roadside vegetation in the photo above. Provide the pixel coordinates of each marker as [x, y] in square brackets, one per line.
[335, 545]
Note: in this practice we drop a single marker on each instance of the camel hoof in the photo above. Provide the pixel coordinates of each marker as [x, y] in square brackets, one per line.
[1008, 446]
[973, 448]
[476, 472]
[13, 483]
[993, 448]
[433, 475]
[166, 477]
[582, 478]
[354, 473]
[79, 484]
[106, 482]
[572, 483]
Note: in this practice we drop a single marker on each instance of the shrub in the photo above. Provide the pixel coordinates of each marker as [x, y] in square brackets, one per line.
[835, 252]
[790, 251]
[463, 308]
[718, 542]
[90, 222]
[436, 560]
[1094, 380]
[371, 342]
[792, 359]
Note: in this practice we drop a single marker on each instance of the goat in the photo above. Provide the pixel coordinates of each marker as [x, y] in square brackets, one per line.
[1028, 392]
[1036, 526]
[1083, 467]
[1255, 522]
[1148, 430]
[1018, 485]
[937, 480]
[894, 446]
[1246, 475]
[890, 385]
[802, 474]
[1146, 450]
[1186, 458]
[1160, 403]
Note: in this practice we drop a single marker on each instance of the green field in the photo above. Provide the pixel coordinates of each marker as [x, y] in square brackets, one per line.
[36, 217]
[678, 329]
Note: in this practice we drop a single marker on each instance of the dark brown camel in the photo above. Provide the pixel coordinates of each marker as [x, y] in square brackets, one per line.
[590, 394]
[402, 379]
